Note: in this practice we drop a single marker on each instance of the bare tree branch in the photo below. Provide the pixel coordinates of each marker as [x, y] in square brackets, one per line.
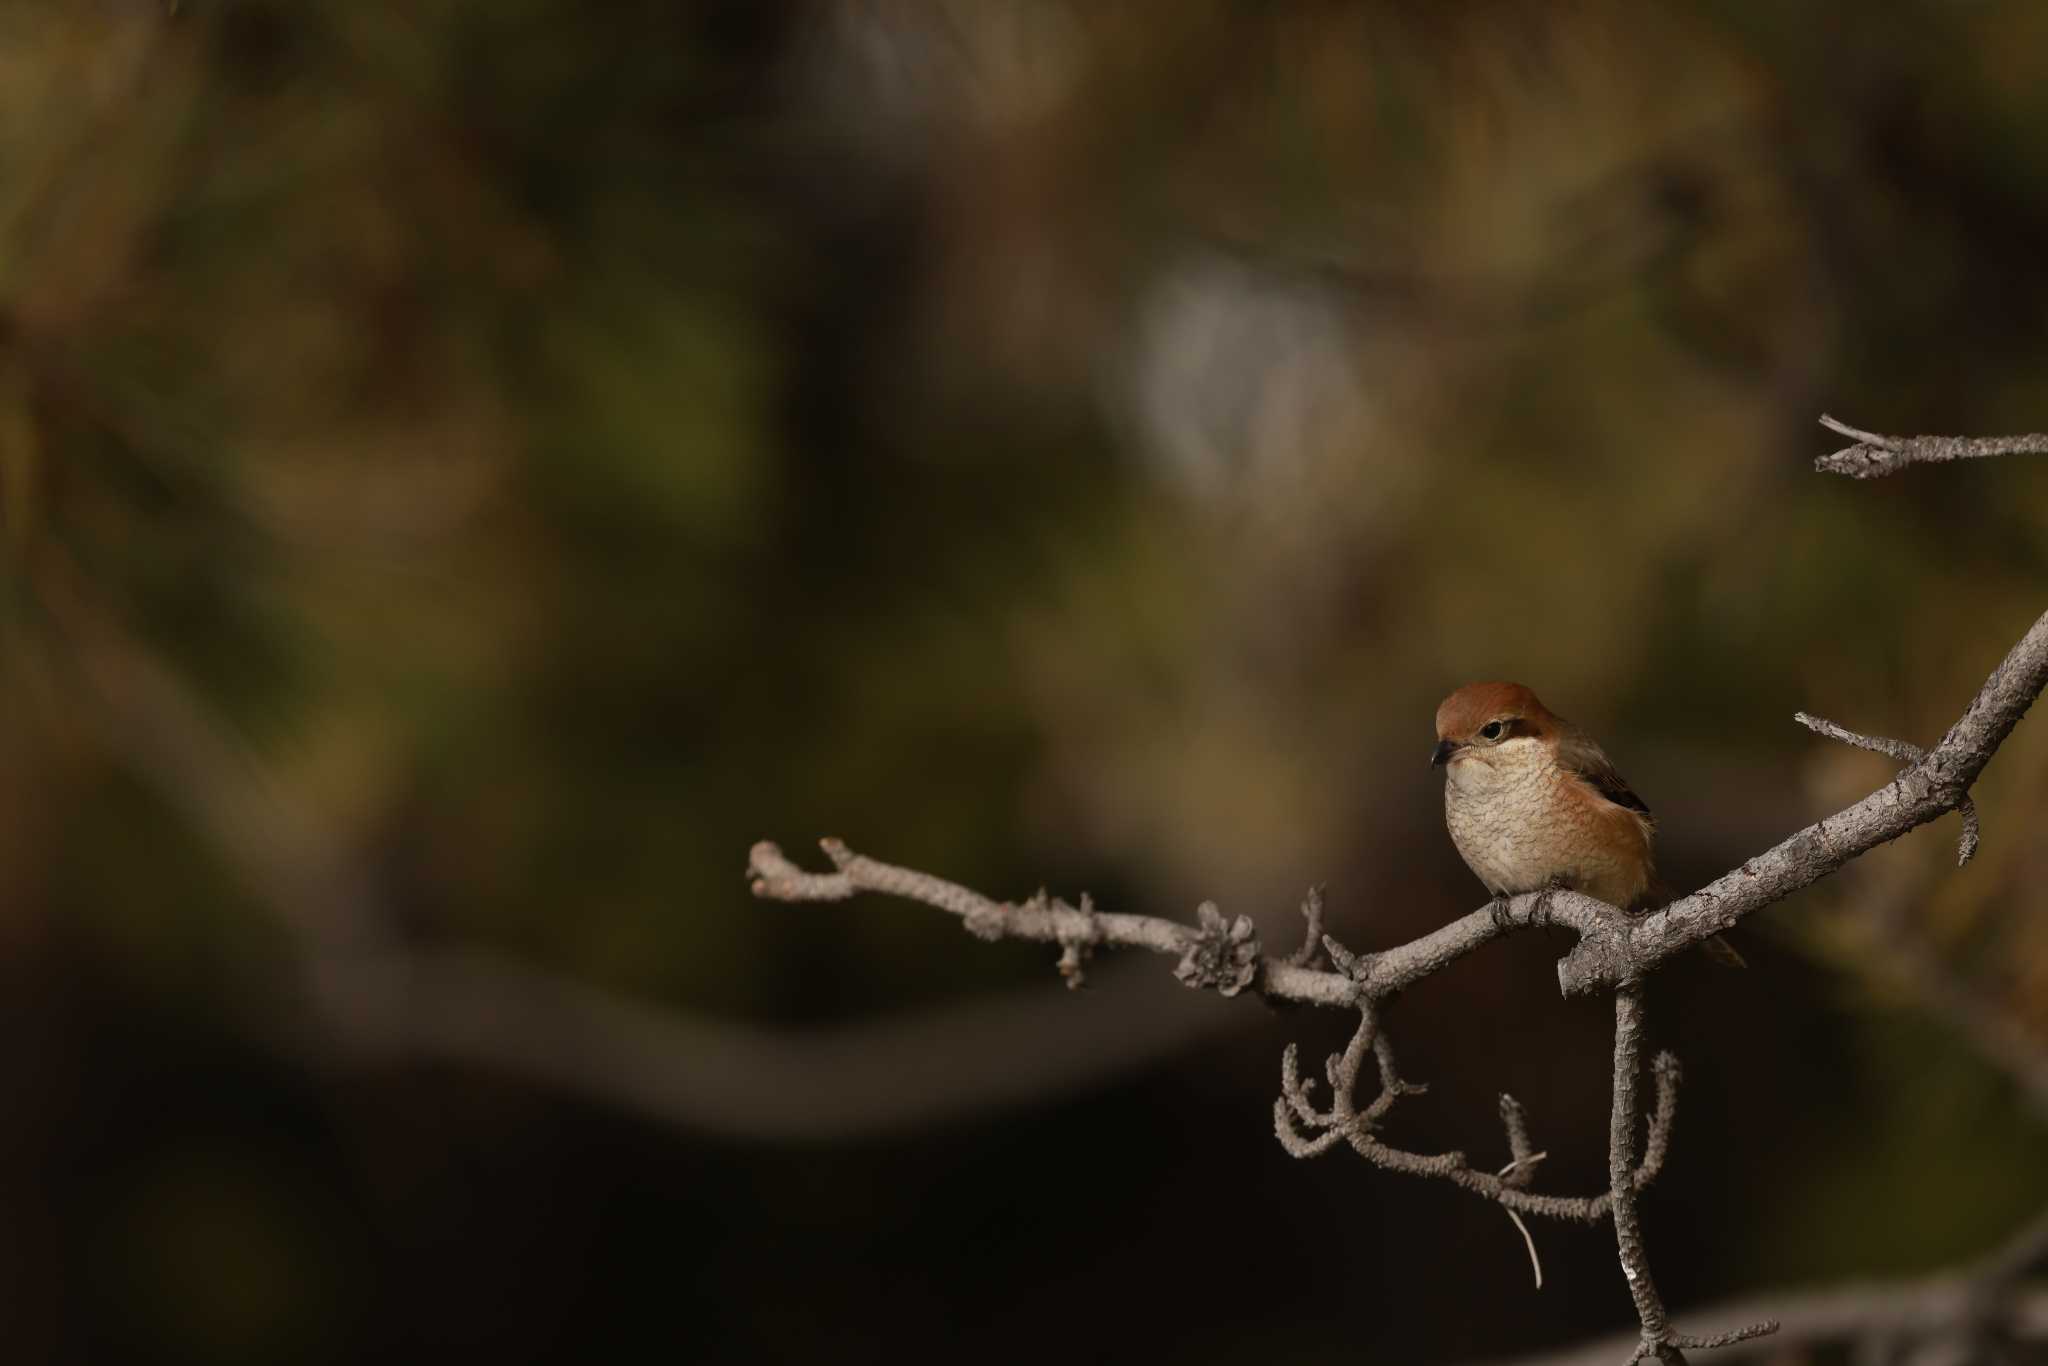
[1306, 1130]
[1874, 456]
[1612, 948]
[1217, 953]
[1621, 1141]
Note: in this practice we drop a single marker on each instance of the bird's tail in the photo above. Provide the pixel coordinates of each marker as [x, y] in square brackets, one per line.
[1717, 947]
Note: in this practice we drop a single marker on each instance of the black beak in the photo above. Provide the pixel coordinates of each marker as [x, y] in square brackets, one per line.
[1444, 750]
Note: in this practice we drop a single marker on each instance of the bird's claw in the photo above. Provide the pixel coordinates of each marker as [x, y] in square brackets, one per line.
[1540, 915]
[1499, 907]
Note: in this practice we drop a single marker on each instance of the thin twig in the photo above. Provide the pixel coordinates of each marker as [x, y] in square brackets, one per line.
[1520, 1169]
[1521, 1149]
[1311, 952]
[1874, 456]
[1905, 753]
[1307, 1130]
[1535, 1262]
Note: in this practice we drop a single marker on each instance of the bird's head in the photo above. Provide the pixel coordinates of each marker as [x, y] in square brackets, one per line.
[1490, 722]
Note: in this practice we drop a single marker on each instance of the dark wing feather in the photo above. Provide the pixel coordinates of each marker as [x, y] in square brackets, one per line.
[1577, 752]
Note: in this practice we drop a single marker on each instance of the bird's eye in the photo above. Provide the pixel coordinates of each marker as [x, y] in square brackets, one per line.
[1491, 730]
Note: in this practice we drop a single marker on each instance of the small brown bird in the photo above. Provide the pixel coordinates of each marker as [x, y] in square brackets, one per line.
[1533, 803]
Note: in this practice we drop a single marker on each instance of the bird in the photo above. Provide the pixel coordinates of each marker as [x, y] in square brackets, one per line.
[1534, 804]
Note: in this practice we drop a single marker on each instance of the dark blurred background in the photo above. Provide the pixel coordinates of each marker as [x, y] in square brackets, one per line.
[468, 471]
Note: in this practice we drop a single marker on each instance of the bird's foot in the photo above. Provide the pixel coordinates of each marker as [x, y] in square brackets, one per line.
[1541, 914]
[1499, 907]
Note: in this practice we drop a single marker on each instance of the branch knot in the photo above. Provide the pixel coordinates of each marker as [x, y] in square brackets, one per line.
[1357, 966]
[1079, 932]
[1222, 953]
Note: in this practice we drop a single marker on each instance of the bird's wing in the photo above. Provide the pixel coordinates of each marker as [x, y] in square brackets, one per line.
[1578, 752]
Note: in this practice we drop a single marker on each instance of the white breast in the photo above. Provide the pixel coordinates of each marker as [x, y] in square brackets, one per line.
[1500, 805]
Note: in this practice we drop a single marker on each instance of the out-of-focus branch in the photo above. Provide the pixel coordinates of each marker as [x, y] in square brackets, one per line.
[501, 1016]
[1895, 947]
[1874, 456]
[1986, 1297]
[386, 1000]
[233, 799]
[1996, 1036]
